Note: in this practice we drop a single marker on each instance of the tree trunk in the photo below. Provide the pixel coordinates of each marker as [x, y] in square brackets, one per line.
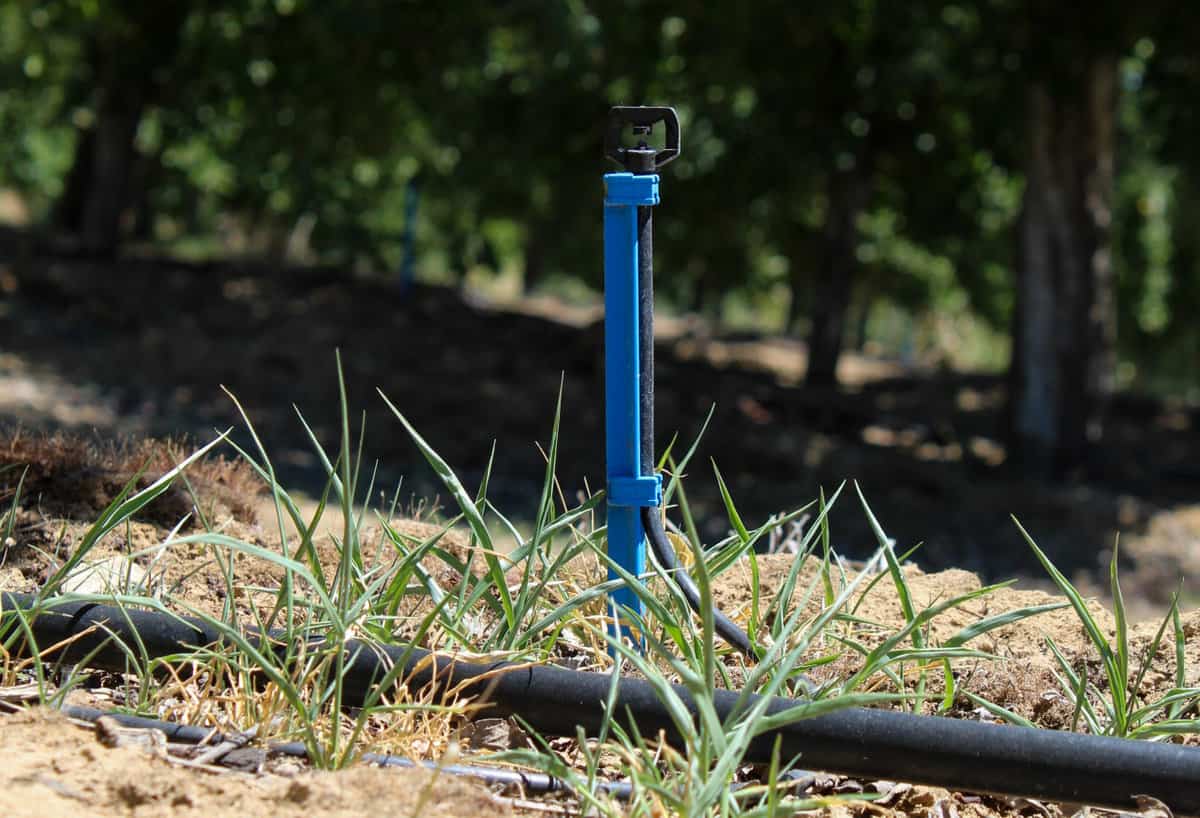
[535, 259]
[698, 299]
[128, 56]
[147, 170]
[68, 209]
[112, 166]
[799, 276]
[1064, 323]
[849, 193]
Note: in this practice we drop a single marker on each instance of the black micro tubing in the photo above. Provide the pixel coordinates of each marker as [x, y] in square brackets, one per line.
[522, 781]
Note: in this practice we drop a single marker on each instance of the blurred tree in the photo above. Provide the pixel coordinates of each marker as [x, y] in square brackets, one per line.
[129, 48]
[1064, 142]
[823, 103]
[1024, 166]
[1162, 204]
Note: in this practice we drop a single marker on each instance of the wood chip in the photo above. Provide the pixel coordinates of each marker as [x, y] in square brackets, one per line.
[19, 694]
[892, 792]
[943, 808]
[493, 734]
[1032, 806]
[111, 733]
[245, 759]
[1151, 807]
[212, 755]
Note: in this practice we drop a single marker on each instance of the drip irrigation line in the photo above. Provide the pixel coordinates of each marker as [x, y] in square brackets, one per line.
[957, 754]
[519, 780]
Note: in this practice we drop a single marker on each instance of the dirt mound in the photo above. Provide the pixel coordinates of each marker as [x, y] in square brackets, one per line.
[53, 768]
[132, 559]
[1021, 678]
[76, 477]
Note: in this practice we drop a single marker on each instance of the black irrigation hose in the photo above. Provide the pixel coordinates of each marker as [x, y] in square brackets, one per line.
[726, 628]
[530, 783]
[963, 755]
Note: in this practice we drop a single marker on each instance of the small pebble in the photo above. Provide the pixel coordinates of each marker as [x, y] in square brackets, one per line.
[287, 769]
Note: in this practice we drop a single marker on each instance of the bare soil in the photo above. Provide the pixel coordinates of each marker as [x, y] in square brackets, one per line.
[55, 769]
[1021, 678]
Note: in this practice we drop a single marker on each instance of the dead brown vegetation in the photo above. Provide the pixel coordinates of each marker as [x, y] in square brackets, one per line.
[74, 476]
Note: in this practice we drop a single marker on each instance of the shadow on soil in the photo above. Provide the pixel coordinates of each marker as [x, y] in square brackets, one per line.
[143, 346]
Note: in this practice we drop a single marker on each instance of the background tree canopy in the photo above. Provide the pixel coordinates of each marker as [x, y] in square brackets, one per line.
[951, 178]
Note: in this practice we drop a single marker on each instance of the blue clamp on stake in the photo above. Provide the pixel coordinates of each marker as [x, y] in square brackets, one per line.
[635, 492]
[628, 189]
[628, 489]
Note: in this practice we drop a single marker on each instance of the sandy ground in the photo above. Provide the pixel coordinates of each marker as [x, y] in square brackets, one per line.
[55, 769]
[1022, 679]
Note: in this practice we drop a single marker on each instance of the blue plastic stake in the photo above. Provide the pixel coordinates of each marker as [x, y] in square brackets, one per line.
[628, 490]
